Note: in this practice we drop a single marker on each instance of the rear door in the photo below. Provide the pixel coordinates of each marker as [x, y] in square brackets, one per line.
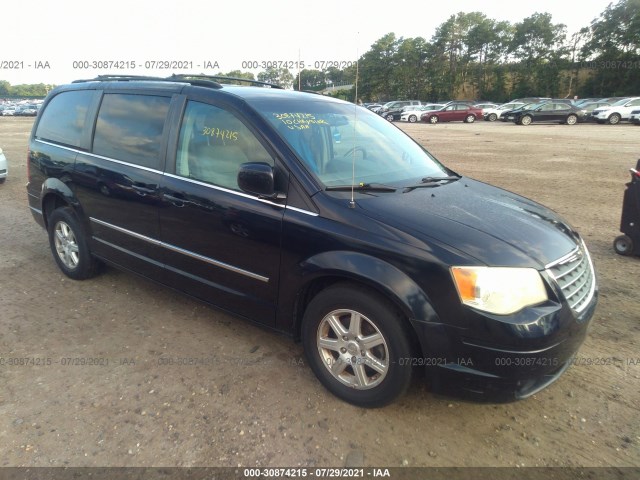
[221, 244]
[546, 112]
[117, 182]
[562, 111]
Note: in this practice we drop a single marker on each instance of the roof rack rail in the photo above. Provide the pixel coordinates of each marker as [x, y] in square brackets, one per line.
[186, 77]
[141, 78]
[199, 80]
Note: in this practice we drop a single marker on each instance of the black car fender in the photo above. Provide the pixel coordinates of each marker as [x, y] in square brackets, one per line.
[373, 272]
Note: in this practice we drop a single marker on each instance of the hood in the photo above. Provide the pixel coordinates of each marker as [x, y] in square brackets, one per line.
[496, 227]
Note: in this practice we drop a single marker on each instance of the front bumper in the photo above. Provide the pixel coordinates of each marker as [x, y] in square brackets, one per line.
[500, 361]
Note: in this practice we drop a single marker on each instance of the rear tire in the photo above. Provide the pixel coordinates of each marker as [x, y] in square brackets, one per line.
[470, 119]
[69, 245]
[357, 345]
[623, 245]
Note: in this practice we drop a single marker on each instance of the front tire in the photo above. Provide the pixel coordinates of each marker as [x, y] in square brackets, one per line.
[572, 120]
[357, 345]
[434, 119]
[389, 118]
[493, 117]
[614, 119]
[526, 120]
[413, 119]
[69, 245]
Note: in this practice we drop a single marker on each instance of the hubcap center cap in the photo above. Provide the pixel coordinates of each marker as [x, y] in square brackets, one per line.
[353, 348]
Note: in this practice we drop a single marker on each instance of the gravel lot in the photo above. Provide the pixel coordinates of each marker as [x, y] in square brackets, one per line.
[252, 400]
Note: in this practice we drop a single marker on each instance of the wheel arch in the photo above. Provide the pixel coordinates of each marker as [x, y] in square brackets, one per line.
[55, 194]
[398, 289]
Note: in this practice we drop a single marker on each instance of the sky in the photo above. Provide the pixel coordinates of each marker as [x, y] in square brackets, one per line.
[57, 41]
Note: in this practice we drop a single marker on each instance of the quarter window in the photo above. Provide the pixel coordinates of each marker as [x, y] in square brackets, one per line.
[64, 119]
[213, 145]
[129, 128]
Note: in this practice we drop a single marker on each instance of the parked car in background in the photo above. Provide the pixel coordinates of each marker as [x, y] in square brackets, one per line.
[587, 109]
[9, 111]
[374, 107]
[4, 169]
[27, 111]
[509, 115]
[485, 106]
[395, 114]
[493, 114]
[584, 101]
[393, 110]
[531, 99]
[454, 112]
[554, 112]
[616, 112]
[412, 114]
[635, 117]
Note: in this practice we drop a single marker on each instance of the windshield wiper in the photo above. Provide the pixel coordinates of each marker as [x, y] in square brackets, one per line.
[431, 182]
[361, 187]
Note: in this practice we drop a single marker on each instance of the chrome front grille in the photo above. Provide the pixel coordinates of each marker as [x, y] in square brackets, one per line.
[575, 277]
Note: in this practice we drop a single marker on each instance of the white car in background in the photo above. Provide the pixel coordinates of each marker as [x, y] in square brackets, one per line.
[493, 114]
[635, 117]
[621, 110]
[3, 167]
[9, 112]
[486, 106]
[412, 114]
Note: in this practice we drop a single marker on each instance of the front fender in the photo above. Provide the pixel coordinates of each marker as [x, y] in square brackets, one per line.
[382, 276]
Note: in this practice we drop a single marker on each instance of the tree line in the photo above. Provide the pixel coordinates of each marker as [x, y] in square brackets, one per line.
[35, 90]
[471, 56]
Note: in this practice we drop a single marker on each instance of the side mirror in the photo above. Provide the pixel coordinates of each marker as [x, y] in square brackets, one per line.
[257, 178]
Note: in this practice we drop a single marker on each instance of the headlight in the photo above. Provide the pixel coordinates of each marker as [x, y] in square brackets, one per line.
[499, 290]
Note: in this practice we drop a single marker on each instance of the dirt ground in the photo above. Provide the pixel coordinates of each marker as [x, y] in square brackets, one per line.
[252, 400]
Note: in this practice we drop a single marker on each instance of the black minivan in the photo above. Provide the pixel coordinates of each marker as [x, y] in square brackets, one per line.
[317, 218]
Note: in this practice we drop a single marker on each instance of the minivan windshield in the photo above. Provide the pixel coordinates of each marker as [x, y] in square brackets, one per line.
[342, 144]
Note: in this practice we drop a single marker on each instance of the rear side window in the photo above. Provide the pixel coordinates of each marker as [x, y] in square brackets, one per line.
[129, 128]
[64, 119]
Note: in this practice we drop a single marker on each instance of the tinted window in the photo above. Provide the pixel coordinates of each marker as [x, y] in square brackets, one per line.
[64, 118]
[213, 144]
[129, 128]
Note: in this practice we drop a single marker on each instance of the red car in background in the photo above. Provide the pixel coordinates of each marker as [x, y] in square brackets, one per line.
[454, 112]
